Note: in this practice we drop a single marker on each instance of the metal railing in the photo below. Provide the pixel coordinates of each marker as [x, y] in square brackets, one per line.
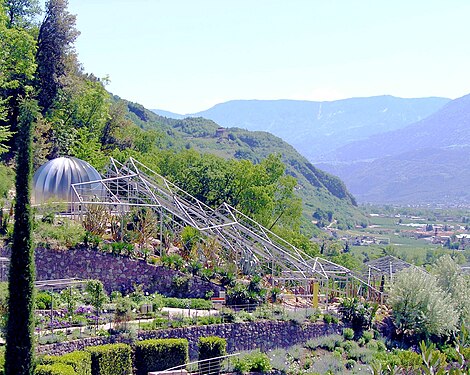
[211, 366]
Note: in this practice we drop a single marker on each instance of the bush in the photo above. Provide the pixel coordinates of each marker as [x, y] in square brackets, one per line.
[409, 360]
[359, 314]
[329, 342]
[80, 361]
[350, 363]
[173, 261]
[313, 315]
[348, 333]
[349, 346]
[329, 319]
[386, 360]
[211, 347]
[157, 323]
[208, 320]
[180, 284]
[64, 235]
[327, 364]
[361, 354]
[420, 307]
[201, 304]
[251, 294]
[157, 300]
[43, 301]
[111, 359]
[160, 354]
[228, 315]
[55, 369]
[243, 316]
[367, 336]
[253, 362]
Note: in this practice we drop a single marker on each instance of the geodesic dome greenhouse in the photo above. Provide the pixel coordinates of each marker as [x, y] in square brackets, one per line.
[52, 181]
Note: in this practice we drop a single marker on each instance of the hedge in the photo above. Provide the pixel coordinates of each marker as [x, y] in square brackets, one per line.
[111, 359]
[160, 354]
[79, 360]
[211, 347]
[184, 303]
[55, 369]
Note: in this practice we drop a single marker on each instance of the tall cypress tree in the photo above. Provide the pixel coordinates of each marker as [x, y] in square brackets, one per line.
[55, 45]
[19, 355]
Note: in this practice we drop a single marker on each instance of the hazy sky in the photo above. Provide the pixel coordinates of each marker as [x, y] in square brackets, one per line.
[187, 55]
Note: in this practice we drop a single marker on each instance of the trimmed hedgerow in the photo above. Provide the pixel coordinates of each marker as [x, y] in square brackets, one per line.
[160, 354]
[184, 303]
[211, 347]
[79, 360]
[55, 369]
[111, 359]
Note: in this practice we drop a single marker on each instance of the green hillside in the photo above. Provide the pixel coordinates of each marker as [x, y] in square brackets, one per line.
[321, 193]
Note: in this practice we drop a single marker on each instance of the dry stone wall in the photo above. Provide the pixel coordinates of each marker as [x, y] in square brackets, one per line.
[263, 335]
[116, 272]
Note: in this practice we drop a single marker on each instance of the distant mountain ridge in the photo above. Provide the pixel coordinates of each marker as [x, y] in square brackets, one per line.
[448, 127]
[317, 128]
[425, 162]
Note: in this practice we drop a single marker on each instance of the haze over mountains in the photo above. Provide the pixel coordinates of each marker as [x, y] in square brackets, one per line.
[425, 162]
[386, 149]
[317, 128]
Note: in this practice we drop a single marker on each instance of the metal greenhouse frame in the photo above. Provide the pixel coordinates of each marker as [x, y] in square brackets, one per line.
[132, 184]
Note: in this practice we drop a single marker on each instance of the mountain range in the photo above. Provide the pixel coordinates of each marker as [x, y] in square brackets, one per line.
[317, 128]
[385, 149]
[424, 162]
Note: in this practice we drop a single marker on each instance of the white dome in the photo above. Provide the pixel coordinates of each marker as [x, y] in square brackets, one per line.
[53, 179]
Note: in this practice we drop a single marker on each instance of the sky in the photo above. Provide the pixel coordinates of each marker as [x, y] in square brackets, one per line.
[185, 56]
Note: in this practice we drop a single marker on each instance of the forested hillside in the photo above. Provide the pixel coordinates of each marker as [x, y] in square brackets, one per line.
[76, 116]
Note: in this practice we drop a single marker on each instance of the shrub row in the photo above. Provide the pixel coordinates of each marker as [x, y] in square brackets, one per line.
[80, 361]
[116, 359]
[111, 359]
[184, 303]
[160, 354]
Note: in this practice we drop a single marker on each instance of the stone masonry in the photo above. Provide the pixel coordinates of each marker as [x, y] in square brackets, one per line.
[263, 335]
[115, 272]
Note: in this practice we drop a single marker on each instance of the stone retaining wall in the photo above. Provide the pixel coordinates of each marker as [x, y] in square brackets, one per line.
[263, 335]
[116, 272]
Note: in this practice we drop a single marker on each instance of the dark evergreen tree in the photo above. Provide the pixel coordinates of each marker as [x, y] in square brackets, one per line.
[19, 355]
[55, 53]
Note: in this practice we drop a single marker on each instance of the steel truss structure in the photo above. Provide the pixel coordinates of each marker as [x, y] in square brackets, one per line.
[132, 184]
